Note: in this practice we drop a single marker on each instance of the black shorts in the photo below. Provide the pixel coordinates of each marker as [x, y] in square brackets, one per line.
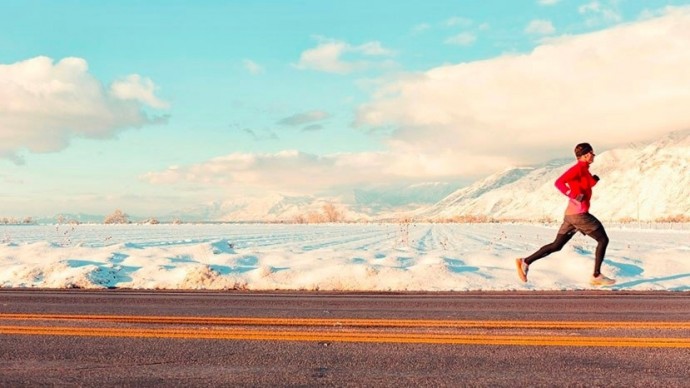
[583, 222]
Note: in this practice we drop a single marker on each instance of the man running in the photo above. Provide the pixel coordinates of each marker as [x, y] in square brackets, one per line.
[576, 183]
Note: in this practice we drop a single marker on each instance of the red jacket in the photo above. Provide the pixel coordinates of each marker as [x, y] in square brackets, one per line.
[574, 182]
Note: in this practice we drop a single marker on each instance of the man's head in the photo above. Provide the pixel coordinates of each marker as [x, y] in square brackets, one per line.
[584, 152]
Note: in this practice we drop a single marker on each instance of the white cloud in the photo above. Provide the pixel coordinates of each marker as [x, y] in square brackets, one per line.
[294, 172]
[465, 38]
[462, 39]
[373, 49]
[592, 6]
[598, 13]
[548, 2]
[46, 104]
[540, 27]
[134, 87]
[252, 67]
[624, 84]
[458, 21]
[328, 55]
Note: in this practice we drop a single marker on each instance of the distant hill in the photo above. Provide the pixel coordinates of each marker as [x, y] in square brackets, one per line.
[360, 205]
[645, 182]
[71, 217]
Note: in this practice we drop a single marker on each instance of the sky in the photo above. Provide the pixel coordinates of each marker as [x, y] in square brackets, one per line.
[160, 106]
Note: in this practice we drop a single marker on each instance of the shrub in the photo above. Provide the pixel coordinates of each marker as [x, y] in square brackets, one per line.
[117, 217]
[332, 214]
[676, 218]
[315, 218]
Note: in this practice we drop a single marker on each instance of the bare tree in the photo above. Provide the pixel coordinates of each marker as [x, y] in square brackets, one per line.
[332, 214]
[315, 218]
[117, 217]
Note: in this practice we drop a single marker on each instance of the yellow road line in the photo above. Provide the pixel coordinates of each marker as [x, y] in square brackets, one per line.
[334, 322]
[425, 338]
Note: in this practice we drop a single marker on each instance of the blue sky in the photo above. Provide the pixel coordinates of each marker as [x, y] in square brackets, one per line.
[160, 106]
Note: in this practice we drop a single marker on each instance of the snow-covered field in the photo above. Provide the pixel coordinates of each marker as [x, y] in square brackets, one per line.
[362, 257]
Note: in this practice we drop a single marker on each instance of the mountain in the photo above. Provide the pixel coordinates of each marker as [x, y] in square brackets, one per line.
[394, 198]
[645, 182]
[357, 205]
[67, 218]
[269, 208]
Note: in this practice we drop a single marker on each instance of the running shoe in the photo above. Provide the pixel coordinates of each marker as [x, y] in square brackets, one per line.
[522, 269]
[601, 280]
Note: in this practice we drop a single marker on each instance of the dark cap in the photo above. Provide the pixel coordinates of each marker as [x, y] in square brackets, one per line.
[582, 149]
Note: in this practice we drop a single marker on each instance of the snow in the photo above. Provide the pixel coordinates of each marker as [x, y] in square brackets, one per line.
[352, 257]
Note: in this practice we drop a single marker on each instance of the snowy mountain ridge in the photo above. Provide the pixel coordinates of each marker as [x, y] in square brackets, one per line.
[362, 204]
[639, 182]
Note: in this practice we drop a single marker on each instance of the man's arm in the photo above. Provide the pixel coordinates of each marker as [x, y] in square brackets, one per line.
[562, 181]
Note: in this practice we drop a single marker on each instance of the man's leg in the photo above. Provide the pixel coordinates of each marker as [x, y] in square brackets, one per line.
[602, 243]
[593, 228]
[555, 246]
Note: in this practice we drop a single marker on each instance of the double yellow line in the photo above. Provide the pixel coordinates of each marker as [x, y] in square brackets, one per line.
[336, 322]
[347, 330]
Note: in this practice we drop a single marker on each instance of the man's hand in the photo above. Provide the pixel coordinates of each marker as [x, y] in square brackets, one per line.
[596, 178]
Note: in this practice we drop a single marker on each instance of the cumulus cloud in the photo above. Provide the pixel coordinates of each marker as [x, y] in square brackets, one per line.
[540, 27]
[328, 56]
[135, 88]
[298, 172]
[45, 104]
[294, 171]
[610, 87]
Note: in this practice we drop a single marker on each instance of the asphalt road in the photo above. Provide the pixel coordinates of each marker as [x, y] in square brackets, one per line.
[158, 338]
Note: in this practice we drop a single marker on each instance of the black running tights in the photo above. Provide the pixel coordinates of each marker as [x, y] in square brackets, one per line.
[599, 235]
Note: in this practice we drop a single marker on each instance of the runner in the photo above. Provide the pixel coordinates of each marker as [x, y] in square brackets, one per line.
[576, 183]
